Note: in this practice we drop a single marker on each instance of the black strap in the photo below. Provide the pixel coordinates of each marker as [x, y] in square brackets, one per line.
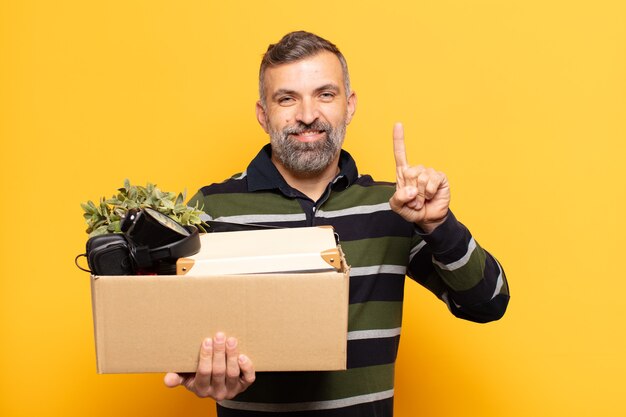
[189, 245]
[80, 267]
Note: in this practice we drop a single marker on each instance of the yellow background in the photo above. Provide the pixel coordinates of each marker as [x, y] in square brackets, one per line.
[521, 102]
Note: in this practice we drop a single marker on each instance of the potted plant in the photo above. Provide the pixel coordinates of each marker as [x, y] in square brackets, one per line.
[106, 216]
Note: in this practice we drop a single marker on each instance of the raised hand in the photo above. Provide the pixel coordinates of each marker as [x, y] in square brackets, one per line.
[422, 194]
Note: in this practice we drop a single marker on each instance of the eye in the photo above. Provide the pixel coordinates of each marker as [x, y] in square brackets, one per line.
[327, 96]
[285, 100]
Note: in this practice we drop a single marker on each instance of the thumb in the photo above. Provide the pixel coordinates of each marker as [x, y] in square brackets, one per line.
[172, 380]
[406, 194]
[401, 197]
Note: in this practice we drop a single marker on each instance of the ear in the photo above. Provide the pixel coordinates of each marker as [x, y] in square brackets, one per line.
[351, 107]
[261, 116]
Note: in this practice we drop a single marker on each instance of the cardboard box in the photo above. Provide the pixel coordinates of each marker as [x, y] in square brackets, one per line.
[284, 321]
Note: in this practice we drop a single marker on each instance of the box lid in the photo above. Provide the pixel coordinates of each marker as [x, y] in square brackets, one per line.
[303, 249]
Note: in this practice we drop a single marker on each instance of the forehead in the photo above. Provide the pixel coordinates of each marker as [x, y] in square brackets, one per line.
[306, 74]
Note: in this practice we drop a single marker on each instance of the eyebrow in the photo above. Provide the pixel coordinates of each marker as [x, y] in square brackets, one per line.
[332, 87]
[283, 91]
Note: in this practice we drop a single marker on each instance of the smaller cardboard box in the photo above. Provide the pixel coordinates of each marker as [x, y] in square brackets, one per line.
[287, 321]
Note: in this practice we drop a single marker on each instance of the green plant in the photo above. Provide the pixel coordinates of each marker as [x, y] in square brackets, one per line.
[106, 216]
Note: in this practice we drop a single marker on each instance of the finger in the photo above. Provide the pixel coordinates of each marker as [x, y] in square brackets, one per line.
[411, 175]
[402, 197]
[434, 182]
[218, 376]
[247, 371]
[411, 182]
[400, 204]
[422, 182]
[205, 366]
[172, 380]
[399, 150]
[232, 364]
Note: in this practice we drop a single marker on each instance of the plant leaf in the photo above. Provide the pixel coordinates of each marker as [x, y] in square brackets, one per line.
[168, 204]
[114, 227]
[86, 207]
[99, 231]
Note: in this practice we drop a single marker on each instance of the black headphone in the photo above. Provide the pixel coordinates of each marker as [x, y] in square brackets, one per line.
[150, 242]
[144, 256]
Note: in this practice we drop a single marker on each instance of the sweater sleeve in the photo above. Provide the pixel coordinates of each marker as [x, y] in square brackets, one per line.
[451, 264]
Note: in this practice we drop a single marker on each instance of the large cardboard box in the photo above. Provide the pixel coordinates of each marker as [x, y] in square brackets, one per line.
[287, 321]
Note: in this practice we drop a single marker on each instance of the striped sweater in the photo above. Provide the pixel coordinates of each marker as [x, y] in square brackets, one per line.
[381, 249]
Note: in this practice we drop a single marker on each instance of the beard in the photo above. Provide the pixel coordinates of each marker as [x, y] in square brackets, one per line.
[307, 159]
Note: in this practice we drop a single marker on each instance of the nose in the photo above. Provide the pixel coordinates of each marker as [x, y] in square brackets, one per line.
[308, 111]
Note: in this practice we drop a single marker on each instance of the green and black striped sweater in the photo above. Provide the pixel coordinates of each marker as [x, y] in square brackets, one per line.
[381, 249]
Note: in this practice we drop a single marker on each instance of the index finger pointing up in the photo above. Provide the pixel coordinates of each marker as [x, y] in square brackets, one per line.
[399, 150]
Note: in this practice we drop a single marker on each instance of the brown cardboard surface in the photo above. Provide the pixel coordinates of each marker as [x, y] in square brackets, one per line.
[284, 322]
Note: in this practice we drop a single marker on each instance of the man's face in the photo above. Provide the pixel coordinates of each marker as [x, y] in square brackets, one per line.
[306, 113]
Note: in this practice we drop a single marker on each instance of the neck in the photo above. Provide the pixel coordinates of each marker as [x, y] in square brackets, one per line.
[311, 186]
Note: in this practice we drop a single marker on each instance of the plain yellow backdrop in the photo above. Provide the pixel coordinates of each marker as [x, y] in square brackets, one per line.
[521, 102]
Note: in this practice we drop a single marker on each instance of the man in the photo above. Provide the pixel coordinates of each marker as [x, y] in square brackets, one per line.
[303, 178]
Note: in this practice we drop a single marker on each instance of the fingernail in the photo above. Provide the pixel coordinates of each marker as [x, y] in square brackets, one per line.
[219, 337]
[231, 342]
[411, 192]
[207, 343]
[243, 358]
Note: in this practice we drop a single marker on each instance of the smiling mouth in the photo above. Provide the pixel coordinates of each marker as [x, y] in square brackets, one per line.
[308, 135]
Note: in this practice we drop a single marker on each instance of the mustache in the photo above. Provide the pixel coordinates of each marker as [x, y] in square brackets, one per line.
[303, 127]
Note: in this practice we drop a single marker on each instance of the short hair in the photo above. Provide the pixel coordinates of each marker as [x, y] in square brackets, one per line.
[296, 46]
